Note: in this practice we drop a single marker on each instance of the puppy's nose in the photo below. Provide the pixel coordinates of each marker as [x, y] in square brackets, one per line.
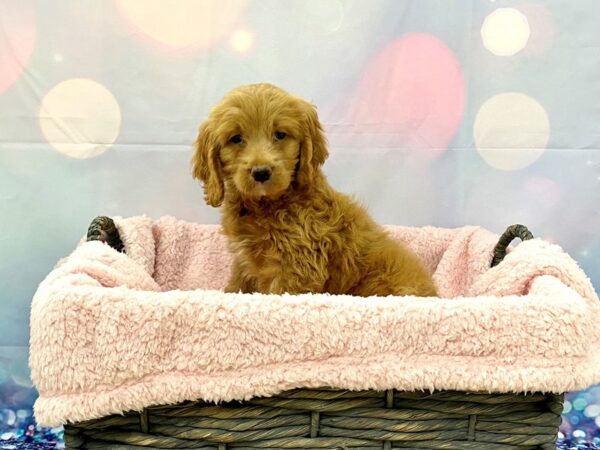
[261, 173]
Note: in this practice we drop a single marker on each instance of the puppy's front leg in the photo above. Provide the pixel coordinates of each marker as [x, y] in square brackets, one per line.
[239, 281]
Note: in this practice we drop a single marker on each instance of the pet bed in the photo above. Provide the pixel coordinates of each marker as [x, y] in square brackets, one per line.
[134, 346]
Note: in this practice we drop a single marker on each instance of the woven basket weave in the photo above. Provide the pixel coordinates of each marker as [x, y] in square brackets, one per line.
[332, 419]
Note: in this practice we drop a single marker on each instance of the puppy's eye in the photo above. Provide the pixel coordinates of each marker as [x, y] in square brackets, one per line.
[280, 135]
[237, 139]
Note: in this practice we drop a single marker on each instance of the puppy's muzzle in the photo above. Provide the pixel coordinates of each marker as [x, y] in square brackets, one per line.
[261, 173]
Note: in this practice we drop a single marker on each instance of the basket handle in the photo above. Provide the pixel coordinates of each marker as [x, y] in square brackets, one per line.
[512, 232]
[103, 229]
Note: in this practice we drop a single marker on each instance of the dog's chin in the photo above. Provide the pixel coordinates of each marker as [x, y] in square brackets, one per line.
[260, 191]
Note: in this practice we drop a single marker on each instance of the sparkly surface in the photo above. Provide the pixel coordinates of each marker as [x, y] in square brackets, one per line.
[567, 444]
[18, 430]
[580, 428]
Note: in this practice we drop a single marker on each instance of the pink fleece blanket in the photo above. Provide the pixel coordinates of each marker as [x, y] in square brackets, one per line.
[113, 332]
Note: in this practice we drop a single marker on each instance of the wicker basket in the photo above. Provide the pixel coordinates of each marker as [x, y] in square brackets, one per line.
[332, 419]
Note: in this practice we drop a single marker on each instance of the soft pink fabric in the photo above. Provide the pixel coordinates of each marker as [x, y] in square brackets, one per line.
[114, 332]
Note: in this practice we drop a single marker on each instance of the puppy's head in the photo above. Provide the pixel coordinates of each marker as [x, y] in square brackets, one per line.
[259, 140]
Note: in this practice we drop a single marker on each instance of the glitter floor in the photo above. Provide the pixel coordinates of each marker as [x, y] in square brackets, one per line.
[22, 434]
[54, 443]
[580, 428]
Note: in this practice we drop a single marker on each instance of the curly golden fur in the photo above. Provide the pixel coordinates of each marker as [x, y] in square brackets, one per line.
[259, 155]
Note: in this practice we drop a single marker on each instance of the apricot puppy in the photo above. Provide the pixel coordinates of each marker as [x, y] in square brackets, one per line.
[259, 155]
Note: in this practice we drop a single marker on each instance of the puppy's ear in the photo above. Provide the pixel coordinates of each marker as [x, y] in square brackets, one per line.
[206, 165]
[313, 149]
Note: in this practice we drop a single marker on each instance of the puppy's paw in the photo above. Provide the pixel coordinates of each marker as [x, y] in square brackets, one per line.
[229, 289]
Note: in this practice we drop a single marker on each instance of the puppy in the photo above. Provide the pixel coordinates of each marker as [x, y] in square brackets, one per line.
[259, 155]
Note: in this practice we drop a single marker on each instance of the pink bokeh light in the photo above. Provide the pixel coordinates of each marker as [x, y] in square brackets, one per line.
[17, 39]
[545, 193]
[410, 96]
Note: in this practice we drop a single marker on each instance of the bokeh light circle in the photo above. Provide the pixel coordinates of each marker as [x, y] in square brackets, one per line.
[567, 407]
[241, 41]
[411, 95]
[80, 118]
[17, 39]
[592, 410]
[183, 24]
[579, 434]
[10, 417]
[579, 403]
[545, 193]
[511, 131]
[505, 31]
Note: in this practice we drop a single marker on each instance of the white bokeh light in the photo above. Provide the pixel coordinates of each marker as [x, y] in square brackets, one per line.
[511, 131]
[579, 434]
[505, 31]
[180, 24]
[567, 407]
[241, 41]
[80, 118]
